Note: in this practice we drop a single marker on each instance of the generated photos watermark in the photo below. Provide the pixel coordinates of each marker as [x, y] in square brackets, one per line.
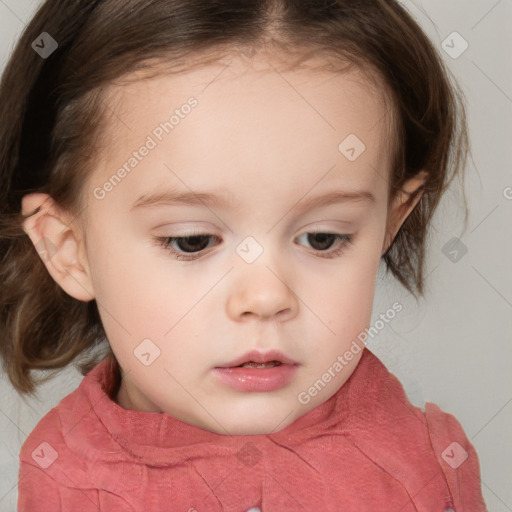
[157, 135]
[304, 397]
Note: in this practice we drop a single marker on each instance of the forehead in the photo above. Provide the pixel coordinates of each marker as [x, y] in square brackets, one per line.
[266, 80]
[253, 120]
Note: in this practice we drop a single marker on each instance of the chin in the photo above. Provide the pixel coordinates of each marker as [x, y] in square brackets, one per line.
[256, 425]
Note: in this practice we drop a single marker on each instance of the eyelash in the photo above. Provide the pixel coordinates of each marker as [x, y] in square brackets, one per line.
[167, 241]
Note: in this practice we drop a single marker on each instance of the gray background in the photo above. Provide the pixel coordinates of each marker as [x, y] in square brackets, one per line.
[452, 348]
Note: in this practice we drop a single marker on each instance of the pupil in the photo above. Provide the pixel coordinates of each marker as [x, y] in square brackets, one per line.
[321, 237]
[189, 243]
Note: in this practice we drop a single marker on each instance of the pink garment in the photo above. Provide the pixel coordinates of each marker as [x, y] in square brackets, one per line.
[366, 449]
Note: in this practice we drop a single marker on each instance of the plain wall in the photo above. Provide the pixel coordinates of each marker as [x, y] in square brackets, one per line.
[452, 348]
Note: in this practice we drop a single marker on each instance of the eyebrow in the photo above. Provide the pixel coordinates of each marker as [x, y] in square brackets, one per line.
[219, 200]
[175, 198]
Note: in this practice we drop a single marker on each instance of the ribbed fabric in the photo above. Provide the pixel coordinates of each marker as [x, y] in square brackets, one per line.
[366, 449]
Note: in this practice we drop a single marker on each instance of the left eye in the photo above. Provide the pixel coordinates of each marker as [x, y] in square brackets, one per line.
[323, 241]
[186, 247]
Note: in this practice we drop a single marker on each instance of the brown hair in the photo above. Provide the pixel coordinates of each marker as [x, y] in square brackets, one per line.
[51, 112]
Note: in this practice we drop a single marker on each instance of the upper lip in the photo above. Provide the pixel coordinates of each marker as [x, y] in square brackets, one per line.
[259, 357]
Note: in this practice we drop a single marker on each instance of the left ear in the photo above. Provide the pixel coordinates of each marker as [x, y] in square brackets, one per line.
[402, 205]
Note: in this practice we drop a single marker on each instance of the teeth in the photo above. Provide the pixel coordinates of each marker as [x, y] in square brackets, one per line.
[252, 364]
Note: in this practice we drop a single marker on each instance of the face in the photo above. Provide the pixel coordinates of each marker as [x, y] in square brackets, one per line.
[273, 246]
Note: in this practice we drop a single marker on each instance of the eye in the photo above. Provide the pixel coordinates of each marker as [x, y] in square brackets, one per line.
[324, 242]
[190, 244]
[186, 248]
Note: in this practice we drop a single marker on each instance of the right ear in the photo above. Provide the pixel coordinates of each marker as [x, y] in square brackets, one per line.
[59, 245]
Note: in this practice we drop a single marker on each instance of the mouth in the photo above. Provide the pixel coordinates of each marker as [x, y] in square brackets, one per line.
[252, 364]
[260, 360]
[257, 371]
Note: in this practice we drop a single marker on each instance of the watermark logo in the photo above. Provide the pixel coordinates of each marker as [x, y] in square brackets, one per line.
[249, 454]
[249, 249]
[352, 147]
[45, 455]
[46, 249]
[454, 455]
[44, 45]
[455, 45]
[454, 249]
[147, 352]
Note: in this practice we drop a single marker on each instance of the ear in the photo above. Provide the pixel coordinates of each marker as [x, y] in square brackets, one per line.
[59, 245]
[402, 205]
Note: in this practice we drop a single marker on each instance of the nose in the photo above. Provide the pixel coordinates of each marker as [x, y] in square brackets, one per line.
[260, 292]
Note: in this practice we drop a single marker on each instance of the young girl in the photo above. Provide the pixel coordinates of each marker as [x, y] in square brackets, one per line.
[206, 189]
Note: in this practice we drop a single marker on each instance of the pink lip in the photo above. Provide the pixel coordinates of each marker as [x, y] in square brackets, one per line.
[257, 379]
[259, 357]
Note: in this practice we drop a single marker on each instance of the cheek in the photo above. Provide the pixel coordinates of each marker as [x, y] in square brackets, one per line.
[134, 298]
[347, 301]
[139, 301]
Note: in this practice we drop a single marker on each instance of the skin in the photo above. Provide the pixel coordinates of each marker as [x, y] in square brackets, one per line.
[269, 140]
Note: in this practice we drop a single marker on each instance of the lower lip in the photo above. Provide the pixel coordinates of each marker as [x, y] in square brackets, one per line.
[256, 379]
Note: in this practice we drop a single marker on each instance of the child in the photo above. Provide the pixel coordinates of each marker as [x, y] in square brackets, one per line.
[209, 188]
